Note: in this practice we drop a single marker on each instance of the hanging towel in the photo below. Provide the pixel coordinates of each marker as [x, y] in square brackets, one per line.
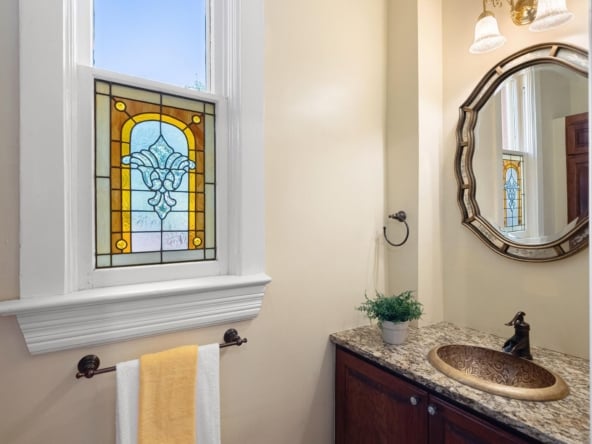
[167, 396]
[206, 396]
[128, 389]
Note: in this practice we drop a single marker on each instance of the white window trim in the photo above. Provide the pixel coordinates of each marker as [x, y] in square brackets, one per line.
[58, 310]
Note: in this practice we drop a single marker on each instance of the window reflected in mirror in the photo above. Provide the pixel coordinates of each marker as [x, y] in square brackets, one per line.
[513, 194]
[523, 126]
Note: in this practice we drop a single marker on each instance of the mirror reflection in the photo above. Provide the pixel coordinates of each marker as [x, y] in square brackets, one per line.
[522, 154]
[531, 160]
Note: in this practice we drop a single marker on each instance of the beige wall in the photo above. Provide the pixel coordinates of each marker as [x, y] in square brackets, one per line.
[325, 80]
[402, 140]
[413, 150]
[325, 130]
[484, 290]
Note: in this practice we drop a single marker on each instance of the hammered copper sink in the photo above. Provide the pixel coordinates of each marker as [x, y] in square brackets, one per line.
[498, 373]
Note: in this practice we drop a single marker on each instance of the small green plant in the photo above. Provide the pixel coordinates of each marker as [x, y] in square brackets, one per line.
[396, 308]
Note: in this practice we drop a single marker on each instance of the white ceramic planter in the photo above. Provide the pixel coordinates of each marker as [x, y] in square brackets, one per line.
[394, 332]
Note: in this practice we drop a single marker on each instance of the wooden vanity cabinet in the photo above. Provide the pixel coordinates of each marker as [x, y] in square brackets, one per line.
[373, 406]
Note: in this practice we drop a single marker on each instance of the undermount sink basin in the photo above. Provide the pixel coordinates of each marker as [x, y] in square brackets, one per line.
[497, 372]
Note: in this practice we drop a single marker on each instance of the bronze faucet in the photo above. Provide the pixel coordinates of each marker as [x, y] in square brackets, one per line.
[519, 344]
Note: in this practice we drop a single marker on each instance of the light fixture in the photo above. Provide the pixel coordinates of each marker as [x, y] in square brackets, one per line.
[539, 14]
[487, 35]
[551, 13]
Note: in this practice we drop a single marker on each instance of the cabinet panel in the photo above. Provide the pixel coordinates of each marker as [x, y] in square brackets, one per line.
[375, 407]
[452, 425]
[576, 144]
[577, 186]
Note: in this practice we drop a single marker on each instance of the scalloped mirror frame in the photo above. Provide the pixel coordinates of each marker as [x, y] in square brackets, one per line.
[574, 240]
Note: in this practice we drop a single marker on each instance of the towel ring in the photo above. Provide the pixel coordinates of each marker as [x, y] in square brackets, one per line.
[401, 216]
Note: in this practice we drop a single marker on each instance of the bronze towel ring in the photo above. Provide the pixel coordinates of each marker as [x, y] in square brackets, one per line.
[401, 216]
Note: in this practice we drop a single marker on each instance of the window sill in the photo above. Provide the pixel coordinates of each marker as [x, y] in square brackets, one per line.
[110, 314]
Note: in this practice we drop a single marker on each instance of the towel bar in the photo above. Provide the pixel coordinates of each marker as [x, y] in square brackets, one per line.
[88, 366]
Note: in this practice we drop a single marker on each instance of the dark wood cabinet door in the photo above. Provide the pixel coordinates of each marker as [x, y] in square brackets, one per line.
[374, 407]
[576, 145]
[449, 424]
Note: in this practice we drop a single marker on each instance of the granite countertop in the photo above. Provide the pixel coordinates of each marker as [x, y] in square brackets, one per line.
[564, 421]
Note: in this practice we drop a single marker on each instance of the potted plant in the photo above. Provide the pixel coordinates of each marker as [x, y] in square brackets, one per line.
[393, 314]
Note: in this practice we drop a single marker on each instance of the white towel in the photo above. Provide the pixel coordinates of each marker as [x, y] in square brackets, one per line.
[128, 395]
[207, 421]
[207, 398]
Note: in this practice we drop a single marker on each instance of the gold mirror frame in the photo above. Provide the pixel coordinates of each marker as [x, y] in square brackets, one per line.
[574, 240]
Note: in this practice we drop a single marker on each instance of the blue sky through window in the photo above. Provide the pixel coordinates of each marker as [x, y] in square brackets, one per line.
[156, 40]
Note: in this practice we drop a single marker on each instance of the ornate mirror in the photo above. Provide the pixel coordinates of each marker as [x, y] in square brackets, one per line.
[522, 154]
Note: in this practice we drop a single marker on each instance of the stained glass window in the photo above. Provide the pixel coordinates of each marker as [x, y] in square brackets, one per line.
[513, 182]
[155, 180]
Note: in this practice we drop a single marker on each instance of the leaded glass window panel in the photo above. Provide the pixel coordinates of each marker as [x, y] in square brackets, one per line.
[513, 182]
[155, 180]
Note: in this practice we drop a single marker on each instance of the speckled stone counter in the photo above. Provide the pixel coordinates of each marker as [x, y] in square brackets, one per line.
[564, 421]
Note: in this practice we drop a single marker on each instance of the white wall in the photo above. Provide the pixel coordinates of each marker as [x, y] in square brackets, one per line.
[324, 139]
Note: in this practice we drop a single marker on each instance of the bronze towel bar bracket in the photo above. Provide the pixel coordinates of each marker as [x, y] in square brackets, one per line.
[88, 366]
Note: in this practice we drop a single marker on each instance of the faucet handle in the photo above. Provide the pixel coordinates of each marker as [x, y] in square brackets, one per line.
[518, 319]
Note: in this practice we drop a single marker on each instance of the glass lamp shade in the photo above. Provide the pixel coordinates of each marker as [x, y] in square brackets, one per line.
[487, 35]
[550, 13]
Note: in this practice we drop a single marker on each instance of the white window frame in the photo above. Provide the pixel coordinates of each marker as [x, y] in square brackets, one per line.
[519, 136]
[63, 302]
